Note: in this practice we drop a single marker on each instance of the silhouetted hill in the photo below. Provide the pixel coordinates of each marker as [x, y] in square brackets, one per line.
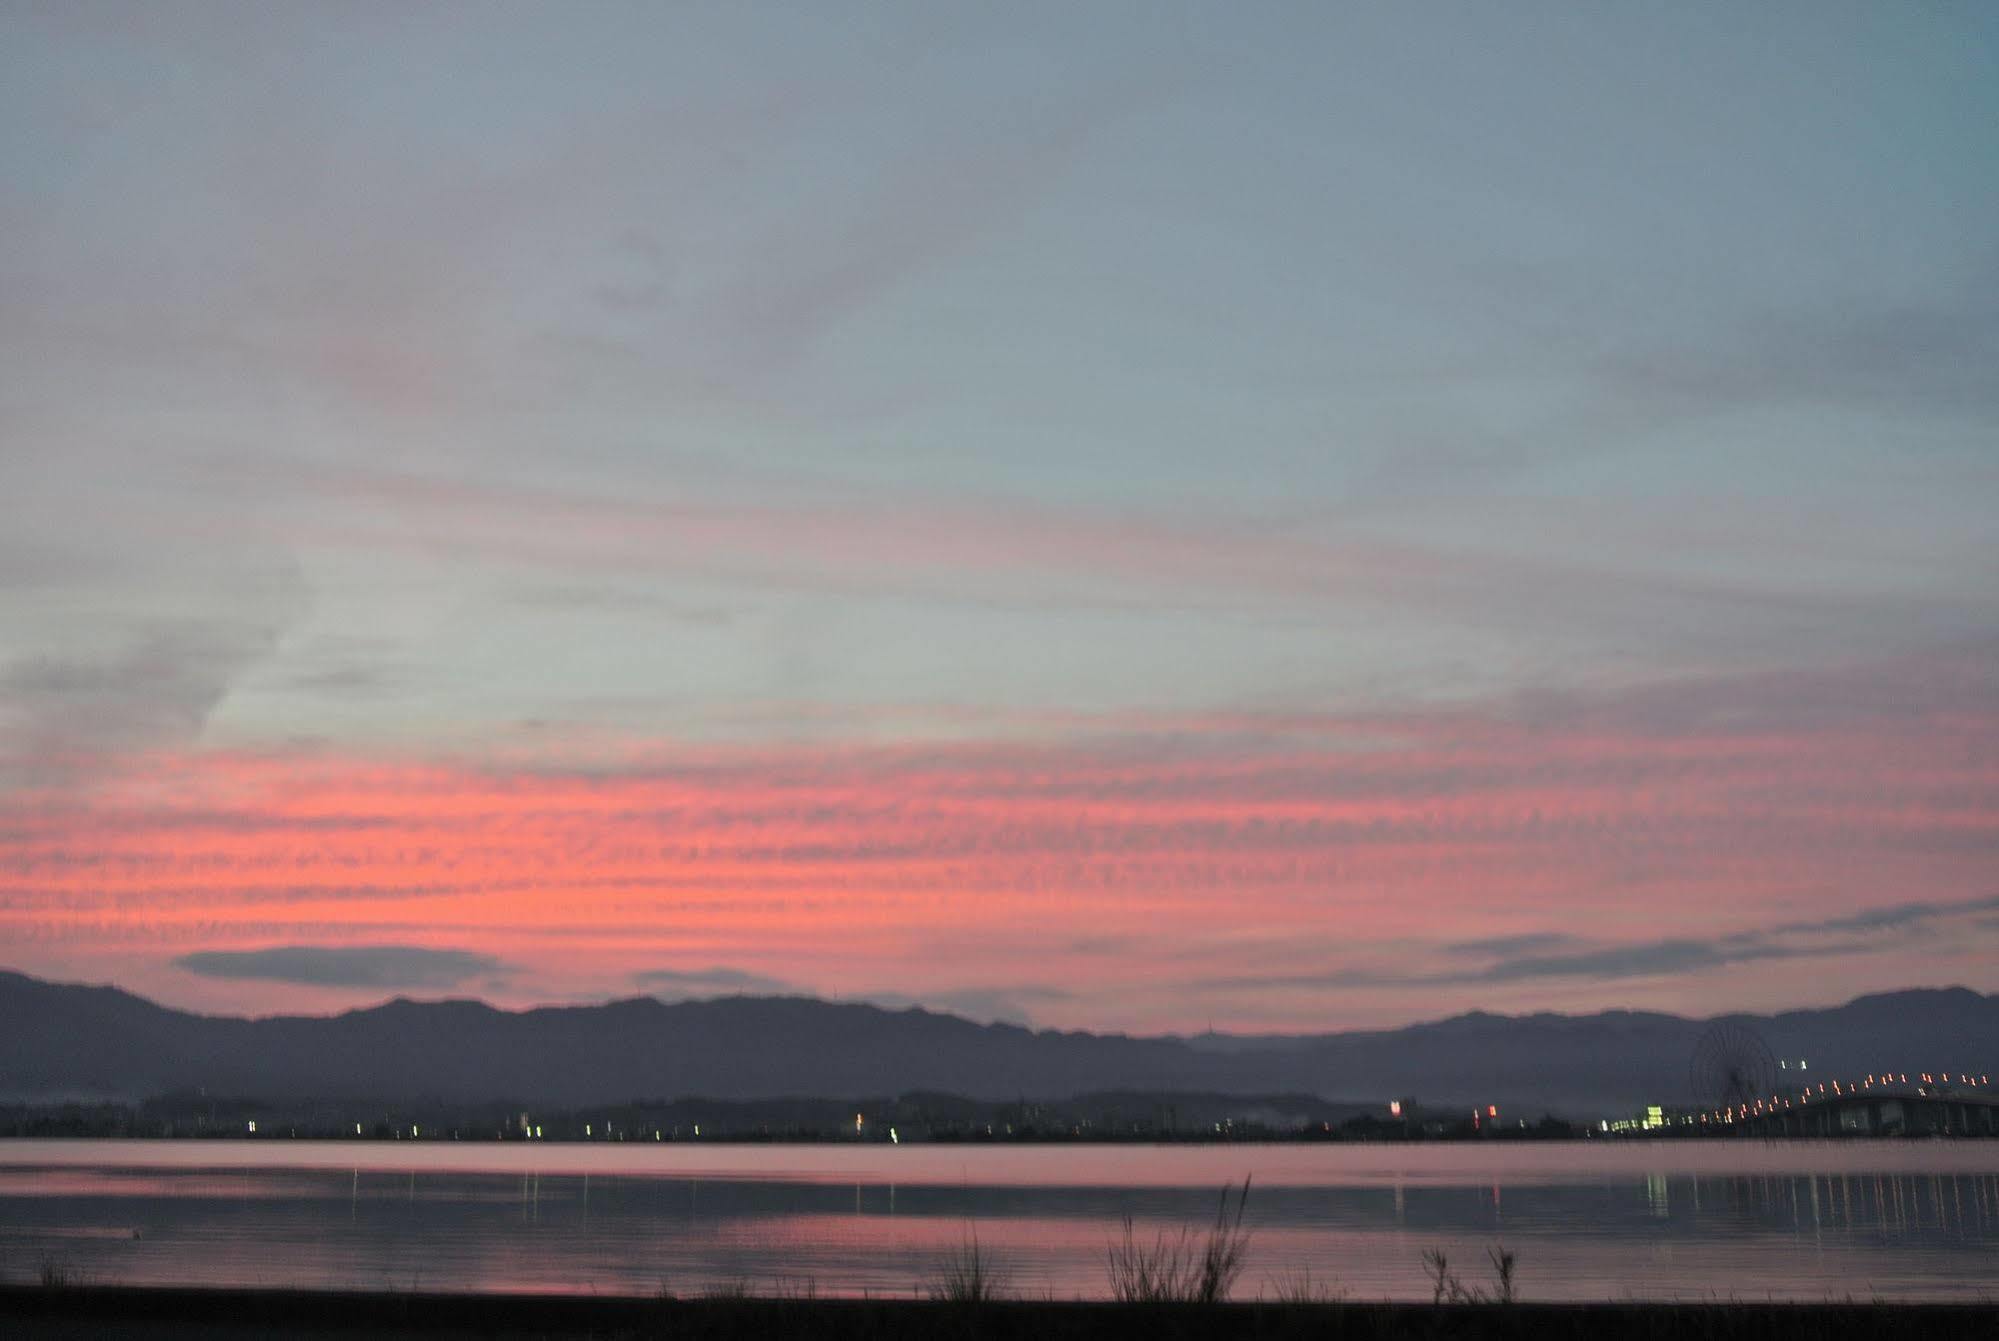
[72, 1041]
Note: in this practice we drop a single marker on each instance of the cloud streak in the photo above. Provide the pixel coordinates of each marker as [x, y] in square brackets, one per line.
[404, 966]
[1855, 933]
[688, 984]
[1050, 555]
[70, 712]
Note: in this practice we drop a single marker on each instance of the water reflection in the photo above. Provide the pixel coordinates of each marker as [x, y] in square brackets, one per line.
[1763, 1230]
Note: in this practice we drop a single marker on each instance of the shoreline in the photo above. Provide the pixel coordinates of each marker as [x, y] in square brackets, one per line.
[156, 1314]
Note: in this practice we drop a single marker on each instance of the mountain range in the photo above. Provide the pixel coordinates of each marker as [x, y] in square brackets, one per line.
[65, 1041]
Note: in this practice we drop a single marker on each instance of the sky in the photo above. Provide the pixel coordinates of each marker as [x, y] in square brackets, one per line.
[1144, 517]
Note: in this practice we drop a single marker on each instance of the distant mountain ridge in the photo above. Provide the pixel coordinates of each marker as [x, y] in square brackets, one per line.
[70, 1041]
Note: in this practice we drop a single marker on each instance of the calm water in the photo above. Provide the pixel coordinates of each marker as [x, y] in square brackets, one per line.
[1588, 1221]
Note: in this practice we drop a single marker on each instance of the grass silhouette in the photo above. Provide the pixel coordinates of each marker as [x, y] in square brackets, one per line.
[1181, 1269]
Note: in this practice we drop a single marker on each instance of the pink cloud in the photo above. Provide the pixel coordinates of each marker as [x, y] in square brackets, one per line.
[1336, 858]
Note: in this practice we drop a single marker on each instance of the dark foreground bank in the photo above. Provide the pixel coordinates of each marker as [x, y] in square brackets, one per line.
[150, 1314]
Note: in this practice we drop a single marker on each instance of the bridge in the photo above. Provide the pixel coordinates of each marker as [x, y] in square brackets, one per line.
[1930, 1103]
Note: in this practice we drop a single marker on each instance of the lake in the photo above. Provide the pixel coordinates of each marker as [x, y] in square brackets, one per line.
[1589, 1220]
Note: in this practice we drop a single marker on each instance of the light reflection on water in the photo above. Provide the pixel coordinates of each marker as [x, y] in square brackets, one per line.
[1599, 1220]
